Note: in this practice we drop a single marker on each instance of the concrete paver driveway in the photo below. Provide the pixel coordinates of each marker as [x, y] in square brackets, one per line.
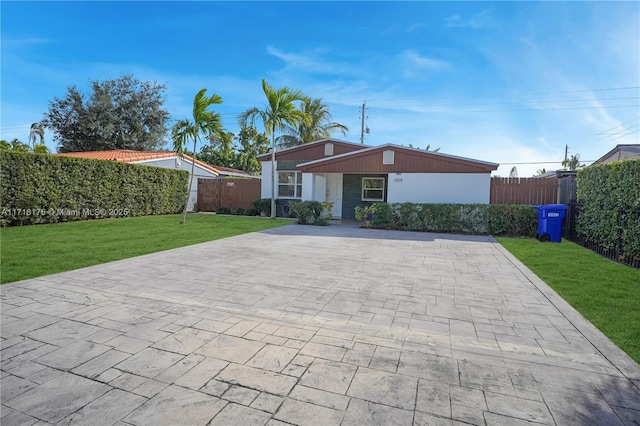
[309, 326]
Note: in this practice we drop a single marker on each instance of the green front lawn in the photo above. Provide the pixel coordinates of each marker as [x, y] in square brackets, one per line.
[33, 251]
[603, 291]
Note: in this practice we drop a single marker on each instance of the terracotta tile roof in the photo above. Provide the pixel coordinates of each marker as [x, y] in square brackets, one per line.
[130, 156]
[229, 169]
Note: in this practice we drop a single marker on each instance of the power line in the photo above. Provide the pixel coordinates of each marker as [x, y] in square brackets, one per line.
[508, 110]
[625, 132]
[16, 127]
[524, 94]
[521, 102]
[624, 129]
[611, 140]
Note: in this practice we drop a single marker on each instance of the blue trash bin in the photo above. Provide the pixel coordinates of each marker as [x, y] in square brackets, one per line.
[550, 219]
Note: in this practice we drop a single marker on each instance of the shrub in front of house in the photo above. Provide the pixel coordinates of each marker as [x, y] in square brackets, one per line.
[312, 212]
[236, 212]
[43, 188]
[609, 195]
[223, 210]
[494, 219]
[262, 206]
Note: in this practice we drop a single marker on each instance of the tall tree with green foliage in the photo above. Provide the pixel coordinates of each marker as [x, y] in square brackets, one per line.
[205, 123]
[239, 152]
[279, 114]
[220, 151]
[124, 113]
[318, 125]
[251, 144]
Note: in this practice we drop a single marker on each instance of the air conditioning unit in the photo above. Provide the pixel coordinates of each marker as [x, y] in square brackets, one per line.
[284, 210]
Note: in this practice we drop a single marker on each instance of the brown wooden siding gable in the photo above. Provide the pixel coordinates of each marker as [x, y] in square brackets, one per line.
[404, 162]
[313, 151]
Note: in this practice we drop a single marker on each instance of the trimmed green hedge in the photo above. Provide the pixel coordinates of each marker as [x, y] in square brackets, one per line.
[495, 219]
[312, 212]
[236, 212]
[605, 191]
[262, 206]
[43, 188]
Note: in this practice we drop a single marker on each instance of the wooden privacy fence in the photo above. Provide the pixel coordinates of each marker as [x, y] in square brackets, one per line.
[230, 193]
[531, 191]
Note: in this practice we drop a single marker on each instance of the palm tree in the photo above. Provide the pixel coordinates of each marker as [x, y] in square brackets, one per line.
[574, 162]
[205, 123]
[319, 125]
[17, 146]
[279, 113]
[40, 149]
[427, 148]
[37, 130]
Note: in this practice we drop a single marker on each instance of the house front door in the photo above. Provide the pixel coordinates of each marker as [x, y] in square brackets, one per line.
[334, 193]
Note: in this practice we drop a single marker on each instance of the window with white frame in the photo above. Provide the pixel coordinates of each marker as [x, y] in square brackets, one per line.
[387, 157]
[328, 149]
[289, 184]
[373, 189]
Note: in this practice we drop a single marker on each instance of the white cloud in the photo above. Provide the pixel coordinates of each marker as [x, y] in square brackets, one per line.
[24, 42]
[414, 60]
[482, 20]
[309, 61]
[415, 27]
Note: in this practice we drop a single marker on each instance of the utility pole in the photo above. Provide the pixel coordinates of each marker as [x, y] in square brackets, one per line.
[566, 153]
[364, 105]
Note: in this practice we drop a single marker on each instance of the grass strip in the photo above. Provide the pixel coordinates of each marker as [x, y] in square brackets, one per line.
[37, 250]
[605, 292]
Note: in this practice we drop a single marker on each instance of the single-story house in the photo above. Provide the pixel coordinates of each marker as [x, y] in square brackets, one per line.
[350, 175]
[165, 160]
[620, 152]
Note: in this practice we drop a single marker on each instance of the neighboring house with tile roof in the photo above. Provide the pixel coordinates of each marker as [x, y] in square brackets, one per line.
[165, 160]
[351, 175]
[619, 153]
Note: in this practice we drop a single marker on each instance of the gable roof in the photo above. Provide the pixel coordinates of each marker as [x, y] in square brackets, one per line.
[406, 160]
[624, 151]
[313, 150]
[131, 156]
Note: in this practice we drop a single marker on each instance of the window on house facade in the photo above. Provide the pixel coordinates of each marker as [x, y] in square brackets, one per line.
[289, 184]
[387, 157]
[328, 149]
[373, 189]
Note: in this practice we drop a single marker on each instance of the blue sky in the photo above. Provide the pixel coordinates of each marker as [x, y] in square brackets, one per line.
[507, 82]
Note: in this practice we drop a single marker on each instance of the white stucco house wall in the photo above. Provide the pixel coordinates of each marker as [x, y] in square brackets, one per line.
[351, 175]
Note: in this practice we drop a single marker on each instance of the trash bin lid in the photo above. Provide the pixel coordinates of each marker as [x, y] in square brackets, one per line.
[553, 206]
